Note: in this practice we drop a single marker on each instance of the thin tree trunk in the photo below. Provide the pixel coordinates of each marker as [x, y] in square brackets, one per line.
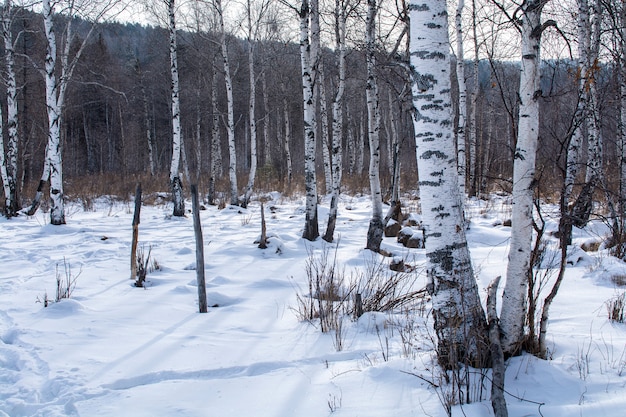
[136, 221]
[11, 188]
[216, 150]
[177, 139]
[519, 267]
[459, 319]
[473, 133]
[197, 227]
[53, 154]
[375, 231]
[232, 149]
[336, 150]
[287, 142]
[308, 62]
[498, 403]
[267, 154]
[328, 175]
[251, 115]
[460, 76]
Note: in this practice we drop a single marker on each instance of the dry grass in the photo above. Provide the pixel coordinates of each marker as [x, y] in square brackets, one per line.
[591, 246]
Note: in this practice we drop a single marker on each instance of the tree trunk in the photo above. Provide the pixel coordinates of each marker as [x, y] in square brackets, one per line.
[498, 403]
[519, 267]
[328, 175]
[232, 149]
[252, 113]
[267, 154]
[375, 231]
[473, 133]
[287, 142]
[336, 150]
[175, 180]
[136, 220]
[197, 227]
[308, 63]
[459, 319]
[460, 76]
[11, 188]
[53, 150]
[216, 150]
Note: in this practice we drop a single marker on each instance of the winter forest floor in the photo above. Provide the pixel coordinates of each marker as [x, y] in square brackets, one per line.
[112, 349]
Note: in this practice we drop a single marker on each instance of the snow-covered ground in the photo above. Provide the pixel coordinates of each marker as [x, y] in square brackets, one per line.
[116, 350]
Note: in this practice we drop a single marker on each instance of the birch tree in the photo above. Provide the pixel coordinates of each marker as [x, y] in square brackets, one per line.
[375, 231]
[9, 163]
[308, 61]
[252, 31]
[57, 73]
[176, 183]
[460, 76]
[519, 268]
[336, 154]
[459, 319]
[230, 126]
[216, 149]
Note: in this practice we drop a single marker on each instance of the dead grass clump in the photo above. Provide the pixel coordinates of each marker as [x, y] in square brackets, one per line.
[615, 308]
[591, 246]
[619, 280]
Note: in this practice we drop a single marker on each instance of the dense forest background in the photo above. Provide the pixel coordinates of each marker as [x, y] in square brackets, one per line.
[119, 100]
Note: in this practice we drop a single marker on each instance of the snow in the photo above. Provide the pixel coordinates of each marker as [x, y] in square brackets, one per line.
[112, 349]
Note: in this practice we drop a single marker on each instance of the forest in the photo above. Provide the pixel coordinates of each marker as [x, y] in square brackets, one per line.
[429, 108]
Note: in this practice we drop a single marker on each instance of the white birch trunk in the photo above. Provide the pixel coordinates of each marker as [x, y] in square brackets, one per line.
[267, 154]
[230, 128]
[375, 231]
[594, 135]
[359, 149]
[572, 168]
[513, 316]
[287, 142]
[459, 319]
[251, 113]
[12, 203]
[217, 169]
[473, 125]
[307, 59]
[337, 149]
[148, 128]
[394, 153]
[4, 177]
[175, 180]
[57, 208]
[328, 176]
[622, 132]
[460, 76]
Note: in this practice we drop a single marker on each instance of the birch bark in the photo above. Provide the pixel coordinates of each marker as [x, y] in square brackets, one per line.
[459, 319]
[53, 100]
[375, 231]
[251, 112]
[336, 154]
[11, 189]
[460, 76]
[232, 149]
[308, 61]
[513, 315]
[175, 179]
